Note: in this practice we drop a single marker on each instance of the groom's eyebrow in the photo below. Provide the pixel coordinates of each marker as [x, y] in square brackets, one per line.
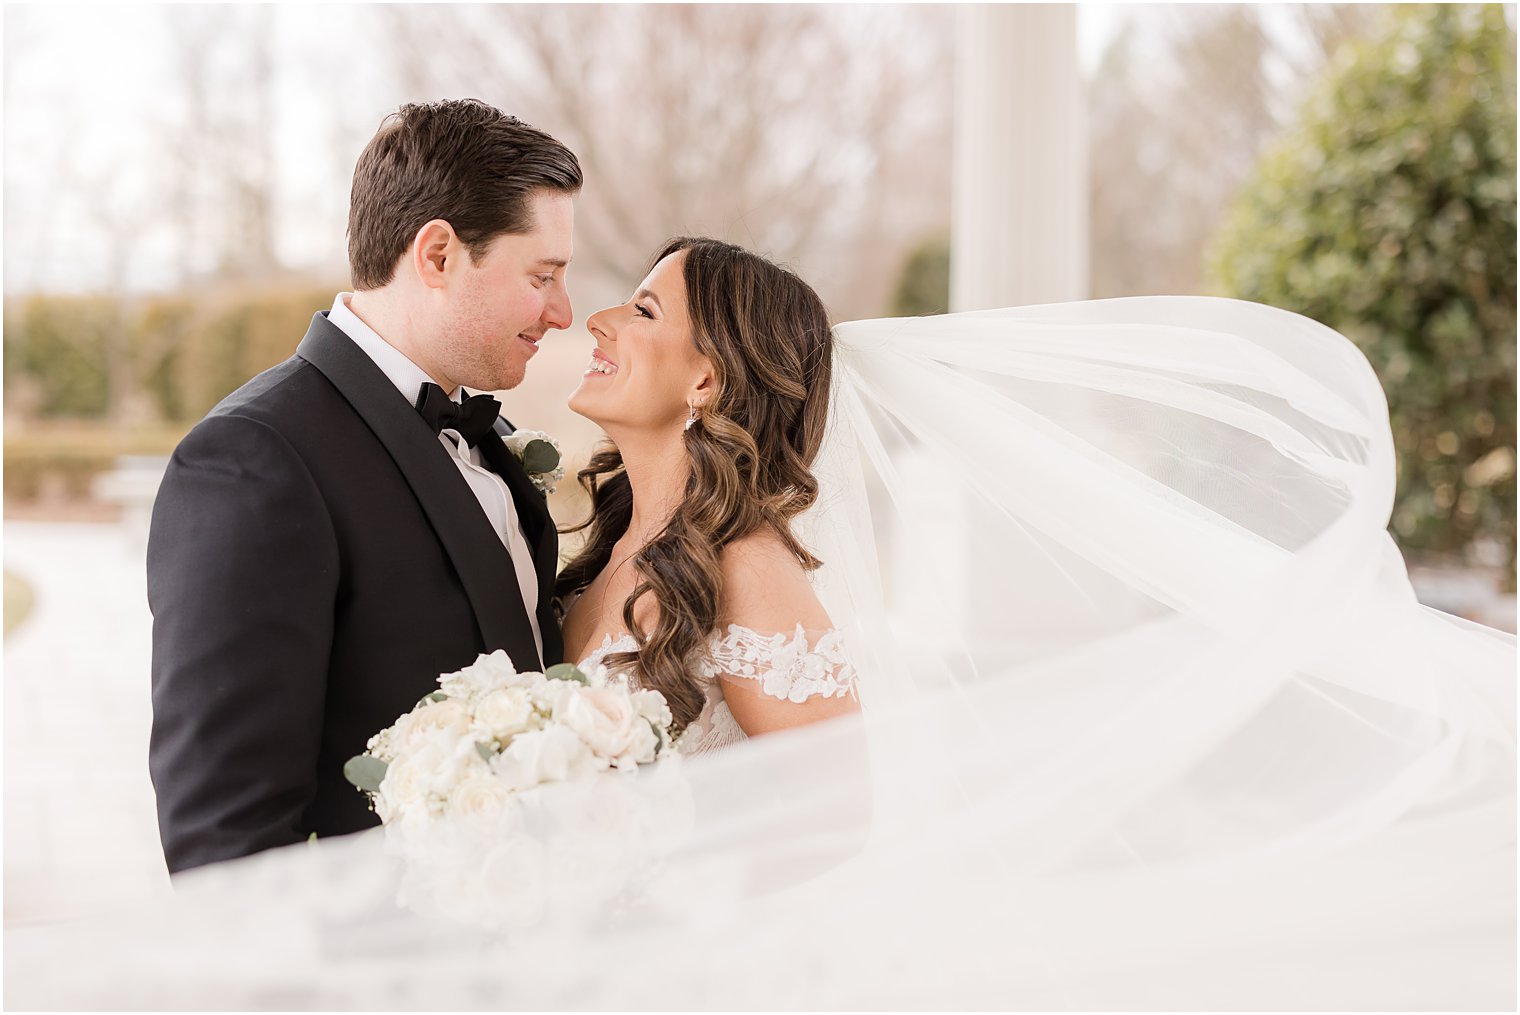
[553, 262]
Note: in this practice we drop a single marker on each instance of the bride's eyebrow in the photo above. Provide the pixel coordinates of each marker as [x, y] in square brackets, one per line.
[642, 293]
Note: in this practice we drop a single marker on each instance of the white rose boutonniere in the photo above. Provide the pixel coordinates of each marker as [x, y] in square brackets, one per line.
[540, 457]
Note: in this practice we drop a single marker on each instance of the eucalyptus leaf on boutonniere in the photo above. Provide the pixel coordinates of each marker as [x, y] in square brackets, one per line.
[540, 457]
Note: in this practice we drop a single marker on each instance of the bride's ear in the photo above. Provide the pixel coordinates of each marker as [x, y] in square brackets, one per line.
[433, 251]
[706, 385]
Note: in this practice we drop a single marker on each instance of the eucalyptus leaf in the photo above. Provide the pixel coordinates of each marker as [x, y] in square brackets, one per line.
[540, 456]
[486, 749]
[365, 771]
[566, 671]
[428, 699]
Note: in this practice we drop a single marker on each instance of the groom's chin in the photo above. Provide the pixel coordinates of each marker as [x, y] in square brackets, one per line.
[503, 377]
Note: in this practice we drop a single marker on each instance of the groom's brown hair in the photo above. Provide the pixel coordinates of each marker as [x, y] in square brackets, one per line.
[460, 160]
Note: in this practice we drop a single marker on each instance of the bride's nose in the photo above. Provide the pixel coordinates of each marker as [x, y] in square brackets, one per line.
[600, 325]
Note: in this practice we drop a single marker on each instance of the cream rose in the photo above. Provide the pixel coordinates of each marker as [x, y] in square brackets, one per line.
[555, 754]
[433, 718]
[482, 796]
[406, 782]
[606, 719]
[484, 674]
[503, 713]
[653, 707]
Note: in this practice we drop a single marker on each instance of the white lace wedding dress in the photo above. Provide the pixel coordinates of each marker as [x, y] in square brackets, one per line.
[787, 667]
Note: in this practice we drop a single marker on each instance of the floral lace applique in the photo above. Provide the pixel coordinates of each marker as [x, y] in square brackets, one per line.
[786, 667]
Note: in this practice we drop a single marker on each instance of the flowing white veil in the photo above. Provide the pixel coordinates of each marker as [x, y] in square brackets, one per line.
[1152, 719]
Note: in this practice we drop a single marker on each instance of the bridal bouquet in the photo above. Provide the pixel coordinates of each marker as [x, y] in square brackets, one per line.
[490, 733]
[513, 800]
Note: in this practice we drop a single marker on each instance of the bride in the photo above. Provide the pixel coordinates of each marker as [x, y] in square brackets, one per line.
[712, 382]
[1102, 591]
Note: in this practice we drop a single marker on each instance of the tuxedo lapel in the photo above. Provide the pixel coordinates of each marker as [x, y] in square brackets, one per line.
[473, 547]
[538, 528]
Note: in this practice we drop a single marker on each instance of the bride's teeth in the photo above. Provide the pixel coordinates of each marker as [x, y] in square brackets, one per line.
[601, 366]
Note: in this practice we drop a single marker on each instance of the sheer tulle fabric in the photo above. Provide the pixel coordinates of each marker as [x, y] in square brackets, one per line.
[1151, 719]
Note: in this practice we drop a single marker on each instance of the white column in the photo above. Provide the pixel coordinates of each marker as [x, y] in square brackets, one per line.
[1020, 201]
[1019, 237]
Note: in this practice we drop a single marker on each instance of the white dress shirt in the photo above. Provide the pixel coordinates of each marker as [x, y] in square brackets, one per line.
[489, 488]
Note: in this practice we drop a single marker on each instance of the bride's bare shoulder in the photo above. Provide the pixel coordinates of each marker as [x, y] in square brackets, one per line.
[765, 587]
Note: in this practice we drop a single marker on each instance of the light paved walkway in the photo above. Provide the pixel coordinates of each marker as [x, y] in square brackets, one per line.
[80, 827]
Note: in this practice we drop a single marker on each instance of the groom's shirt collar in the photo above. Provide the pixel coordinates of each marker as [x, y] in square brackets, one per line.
[407, 376]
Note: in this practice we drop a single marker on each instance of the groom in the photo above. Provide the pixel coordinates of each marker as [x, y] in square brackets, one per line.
[340, 530]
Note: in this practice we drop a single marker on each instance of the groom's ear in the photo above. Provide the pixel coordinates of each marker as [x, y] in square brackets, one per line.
[433, 251]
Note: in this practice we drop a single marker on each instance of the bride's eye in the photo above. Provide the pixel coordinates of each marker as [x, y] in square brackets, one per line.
[641, 310]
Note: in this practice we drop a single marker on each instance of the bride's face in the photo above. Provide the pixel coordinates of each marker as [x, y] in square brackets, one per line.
[644, 370]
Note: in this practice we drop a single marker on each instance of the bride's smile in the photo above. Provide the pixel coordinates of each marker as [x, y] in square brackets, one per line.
[600, 364]
[645, 372]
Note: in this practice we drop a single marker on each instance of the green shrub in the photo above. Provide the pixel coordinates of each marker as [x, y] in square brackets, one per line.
[58, 345]
[178, 355]
[181, 354]
[1388, 213]
[227, 342]
[924, 288]
[160, 332]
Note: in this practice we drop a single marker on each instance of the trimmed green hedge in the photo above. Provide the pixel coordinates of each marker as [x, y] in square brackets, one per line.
[1389, 214]
[92, 357]
[76, 365]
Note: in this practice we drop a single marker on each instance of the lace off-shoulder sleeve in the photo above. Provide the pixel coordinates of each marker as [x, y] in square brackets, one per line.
[792, 667]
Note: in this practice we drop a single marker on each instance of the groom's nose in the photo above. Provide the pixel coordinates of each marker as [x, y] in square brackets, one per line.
[557, 311]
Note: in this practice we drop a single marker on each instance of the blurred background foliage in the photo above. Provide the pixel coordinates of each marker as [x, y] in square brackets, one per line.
[1388, 213]
[1352, 162]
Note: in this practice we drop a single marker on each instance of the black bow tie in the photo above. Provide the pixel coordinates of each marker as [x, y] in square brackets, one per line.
[472, 419]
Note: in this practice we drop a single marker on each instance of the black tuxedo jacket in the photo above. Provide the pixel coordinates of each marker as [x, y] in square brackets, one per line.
[315, 561]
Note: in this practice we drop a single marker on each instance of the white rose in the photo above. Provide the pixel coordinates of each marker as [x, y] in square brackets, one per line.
[641, 748]
[485, 674]
[518, 440]
[512, 889]
[480, 796]
[430, 768]
[422, 723]
[405, 782]
[607, 720]
[653, 707]
[458, 761]
[504, 712]
[553, 754]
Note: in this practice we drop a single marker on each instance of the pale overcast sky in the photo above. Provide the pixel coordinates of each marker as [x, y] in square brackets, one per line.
[88, 88]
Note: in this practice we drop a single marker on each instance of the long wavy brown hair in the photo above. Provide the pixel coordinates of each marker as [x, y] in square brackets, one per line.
[767, 335]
